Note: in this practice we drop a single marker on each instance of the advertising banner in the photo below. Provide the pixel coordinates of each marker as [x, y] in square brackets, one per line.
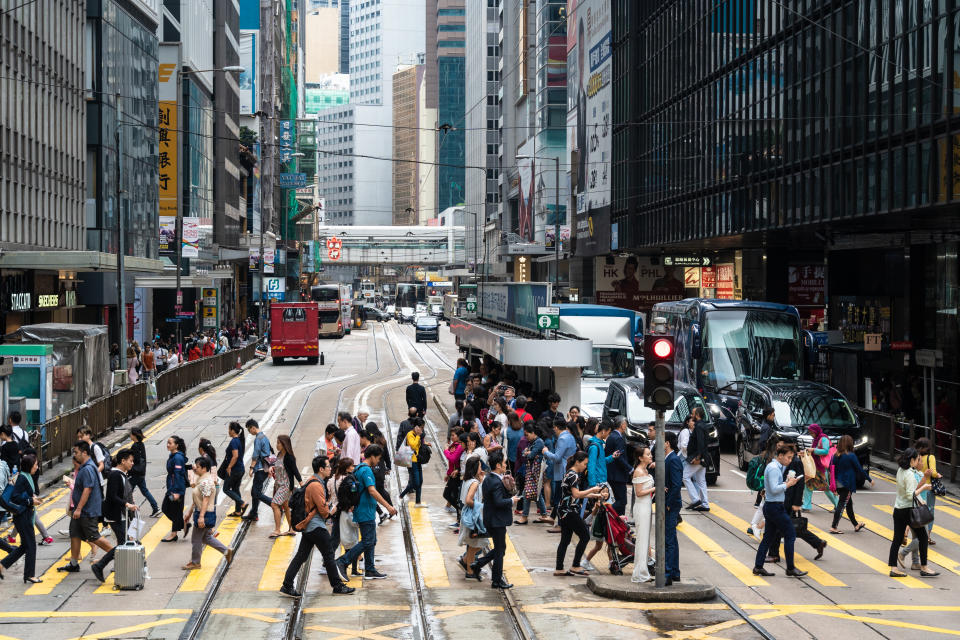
[268, 257]
[635, 283]
[168, 235]
[514, 303]
[527, 168]
[254, 258]
[725, 281]
[248, 79]
[190, 247]
[167, 159]
[806, 285]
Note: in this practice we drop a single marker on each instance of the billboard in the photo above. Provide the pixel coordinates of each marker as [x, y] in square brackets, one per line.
[190, 246]
[590, 66]
[167, 159]
[514, 303]
[634, 282]
[527, 169]
[248, 79]
[168, 235]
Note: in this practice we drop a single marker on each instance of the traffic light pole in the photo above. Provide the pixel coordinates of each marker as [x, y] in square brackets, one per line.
[660, 476]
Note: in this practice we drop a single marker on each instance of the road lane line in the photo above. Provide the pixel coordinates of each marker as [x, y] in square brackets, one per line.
[150, 543]
[889, 623]
[865, 558]
[737, 569]
[940, 508]
[513, 567]
[280, 553]
[432, 566]
[814, 572]
[199, 579]
[936, 557]
[51, 578]
[113, 633]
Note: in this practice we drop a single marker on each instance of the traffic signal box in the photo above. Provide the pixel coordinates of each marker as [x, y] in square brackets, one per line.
[658, 354]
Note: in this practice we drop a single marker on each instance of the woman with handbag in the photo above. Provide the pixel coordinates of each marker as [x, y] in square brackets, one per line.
[23, 496]
[909, 511]
[203, 511]
[847, 469]
[471, 535]
[928, 467]
[820, 448]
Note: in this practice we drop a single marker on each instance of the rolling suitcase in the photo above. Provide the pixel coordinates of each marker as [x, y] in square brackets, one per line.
[129, 566]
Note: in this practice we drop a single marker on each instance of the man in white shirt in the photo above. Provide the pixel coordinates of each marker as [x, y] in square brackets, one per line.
[351, 438]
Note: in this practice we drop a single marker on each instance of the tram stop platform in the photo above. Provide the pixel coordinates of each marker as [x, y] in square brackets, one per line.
[621, 588]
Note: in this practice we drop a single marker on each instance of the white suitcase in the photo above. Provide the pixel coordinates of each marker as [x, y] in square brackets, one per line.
[129, 566]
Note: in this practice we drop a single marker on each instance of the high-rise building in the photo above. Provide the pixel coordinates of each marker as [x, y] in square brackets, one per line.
[413, 140]
[343, 39]
[322, 46]
[446, 57]
[228, 217]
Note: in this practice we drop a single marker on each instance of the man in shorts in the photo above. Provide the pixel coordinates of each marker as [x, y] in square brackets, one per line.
[88, 501]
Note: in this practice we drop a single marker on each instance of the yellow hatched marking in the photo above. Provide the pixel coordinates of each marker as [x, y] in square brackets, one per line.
[51, 578]
[280, 554]
[513, 568]
[889, 623]
[737, 569]
[866, 559]
[150, 542]
[814, 572]
[941, 508]
[113, 633]
[939, 558]
[95, 614]
[431, 558]
[198, 579]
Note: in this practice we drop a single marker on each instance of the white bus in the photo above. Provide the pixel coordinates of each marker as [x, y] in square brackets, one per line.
[330, 299]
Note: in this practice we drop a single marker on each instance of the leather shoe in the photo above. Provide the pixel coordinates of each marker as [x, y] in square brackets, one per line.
[475, 568]
[668, 582]
[820, 548]
[693, 506]
[796, 573]
[503, 584]
[760, 571]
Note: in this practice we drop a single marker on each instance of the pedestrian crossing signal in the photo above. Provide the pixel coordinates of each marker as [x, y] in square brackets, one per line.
[658, 357]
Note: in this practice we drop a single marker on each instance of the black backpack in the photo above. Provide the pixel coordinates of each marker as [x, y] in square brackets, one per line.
[348, 493]
[424, 454]
[298, 504]
[107, 461]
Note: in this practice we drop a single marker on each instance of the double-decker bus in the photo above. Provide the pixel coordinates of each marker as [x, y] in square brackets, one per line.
[409, 294]
[367, 289]
[330, 299]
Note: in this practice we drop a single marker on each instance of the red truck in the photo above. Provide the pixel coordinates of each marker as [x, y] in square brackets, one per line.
[293, 331]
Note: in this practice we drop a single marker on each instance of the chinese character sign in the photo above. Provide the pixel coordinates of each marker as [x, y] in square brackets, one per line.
[334, 248]
[167, 158]
[286, 136]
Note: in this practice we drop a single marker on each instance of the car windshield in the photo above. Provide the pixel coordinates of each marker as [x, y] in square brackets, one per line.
[804, 407]
[610, 363]
[758, 344]
[638, 414]
[426, 322]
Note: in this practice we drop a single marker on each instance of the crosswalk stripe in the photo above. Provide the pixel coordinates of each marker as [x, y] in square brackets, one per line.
[737, 569]
[49, 513]
[513, 567]
[814, 572]
[199, 579]
[940, 508]
[866, 559]
[51, 578]
[280, 553]
[433, 568]
[938, 558]
[150, 542]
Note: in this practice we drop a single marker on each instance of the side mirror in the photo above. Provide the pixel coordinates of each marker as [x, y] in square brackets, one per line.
[696, 342]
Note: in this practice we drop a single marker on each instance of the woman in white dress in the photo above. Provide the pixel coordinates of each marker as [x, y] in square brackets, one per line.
[643, 488]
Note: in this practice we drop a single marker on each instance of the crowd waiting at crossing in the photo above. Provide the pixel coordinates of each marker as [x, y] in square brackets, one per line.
[507, 461]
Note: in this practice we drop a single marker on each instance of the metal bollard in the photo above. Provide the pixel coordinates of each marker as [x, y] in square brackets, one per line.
[321, 357]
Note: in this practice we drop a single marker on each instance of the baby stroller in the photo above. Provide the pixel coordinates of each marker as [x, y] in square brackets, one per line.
[619, 539]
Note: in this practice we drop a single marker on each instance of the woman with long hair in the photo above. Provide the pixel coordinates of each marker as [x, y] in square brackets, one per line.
[820, 448]
[470, 498]
[643, 489]
[928, 466]
[909, 489]
[138, 474]
[233, 472]
[176, 487]
[568, 512]
[343, 467]
[284, 472]
[26, 496]
[533, 453]
[846, 468]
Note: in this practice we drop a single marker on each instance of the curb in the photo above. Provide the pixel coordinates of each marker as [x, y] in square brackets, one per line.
[621, 588]
[58, 469]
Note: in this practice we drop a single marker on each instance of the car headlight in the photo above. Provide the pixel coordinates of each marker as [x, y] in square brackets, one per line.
[861, 442]
[714, 409]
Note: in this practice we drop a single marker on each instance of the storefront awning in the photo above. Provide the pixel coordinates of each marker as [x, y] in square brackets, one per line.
[77, 261]
[516, 349]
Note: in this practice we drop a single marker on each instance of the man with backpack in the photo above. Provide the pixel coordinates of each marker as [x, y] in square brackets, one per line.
[308, 513]
[98, 453]
[365, 516]
[118, 506]
[259, 469]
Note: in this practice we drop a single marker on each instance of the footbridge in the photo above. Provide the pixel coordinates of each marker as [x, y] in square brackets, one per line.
[389, 245]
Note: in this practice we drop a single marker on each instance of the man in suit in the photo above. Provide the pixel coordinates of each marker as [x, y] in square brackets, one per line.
[497, 516]
[674, 475]
[417, 395]
[619, 471]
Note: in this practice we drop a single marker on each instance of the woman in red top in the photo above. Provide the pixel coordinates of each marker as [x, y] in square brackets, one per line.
[207, 347]
[194, 353]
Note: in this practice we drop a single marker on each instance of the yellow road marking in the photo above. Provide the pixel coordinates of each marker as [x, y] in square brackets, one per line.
[736, 568]
[889, 623]
[939, 558]
[939, 508]
[8, 638]
[112, 633]
[431, 558]
[280, 553]
[95, 614]
[198, 579]
[354, 581]
[513, 567]
[588, 616]
[459, 610]
[642, 606]
[868, 560]
[51, 578]
[240, 613]
[934, 608]
[369, 634]
[704, 632]
[150, 542]
[814, 572]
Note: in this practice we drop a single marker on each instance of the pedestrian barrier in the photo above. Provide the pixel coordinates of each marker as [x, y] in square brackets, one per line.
[110, 411]
[889, 436]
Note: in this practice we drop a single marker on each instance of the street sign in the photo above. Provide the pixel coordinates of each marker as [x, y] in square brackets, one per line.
[872, 341]
[686, 261]
[471, 305]
[929, 358]
[334, 248]
[548, 317]
[291, 180]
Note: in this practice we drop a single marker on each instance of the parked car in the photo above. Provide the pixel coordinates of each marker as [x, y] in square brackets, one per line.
[625, 398]
[427, 328]
[797, 404]
[407, 314]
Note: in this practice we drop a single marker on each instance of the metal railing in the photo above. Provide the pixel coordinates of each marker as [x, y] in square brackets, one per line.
[111, 411]
[889, 436]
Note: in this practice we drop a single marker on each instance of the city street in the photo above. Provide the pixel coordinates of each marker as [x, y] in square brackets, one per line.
[846, 594]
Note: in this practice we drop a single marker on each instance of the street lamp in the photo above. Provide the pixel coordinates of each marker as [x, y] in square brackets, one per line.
[179, 220]
[556, 225]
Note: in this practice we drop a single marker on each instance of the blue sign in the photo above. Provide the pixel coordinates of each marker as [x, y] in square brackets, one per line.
[514, 303]
[287, 138]
[291, 180]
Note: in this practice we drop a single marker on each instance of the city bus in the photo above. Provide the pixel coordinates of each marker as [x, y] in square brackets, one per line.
[367, 290]
[409, 294]
[720, 343]
[329, 299]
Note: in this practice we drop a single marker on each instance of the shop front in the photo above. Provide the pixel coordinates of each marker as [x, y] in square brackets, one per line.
[33, 297]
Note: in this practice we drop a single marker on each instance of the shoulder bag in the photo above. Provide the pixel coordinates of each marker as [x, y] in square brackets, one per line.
[920, 514]
[936, 484]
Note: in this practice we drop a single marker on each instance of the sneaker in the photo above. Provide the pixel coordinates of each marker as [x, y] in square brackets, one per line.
[249, 518]
[69, 568]
[342, 570]
[374, 575]
[915, 566]
[44, 542]
[229, 555]
[156, 513]
[453, 525]
[97, 572]
[357, 573]
[449, 509]
[749, 531]
[290, 592]
[343, 590]
[421, 505]
[462, 563]
[586, 564]
[63, 532]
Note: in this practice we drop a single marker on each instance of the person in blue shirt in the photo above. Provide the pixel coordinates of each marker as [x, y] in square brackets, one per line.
[87, 502]
[460, 376]
[778, 521]
[259, 469]
[365, 516]
[172, 505]
[556, 456]
[673, 468]
[513, 433]
[233, 469]
[597, 464]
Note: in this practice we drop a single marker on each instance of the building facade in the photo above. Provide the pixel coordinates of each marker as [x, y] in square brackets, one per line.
[451, 101]
[406, 167]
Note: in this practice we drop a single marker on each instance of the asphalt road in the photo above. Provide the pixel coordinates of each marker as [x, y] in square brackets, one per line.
[846, 594]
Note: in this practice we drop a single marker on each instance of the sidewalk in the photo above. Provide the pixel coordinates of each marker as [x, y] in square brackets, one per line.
[52, 475]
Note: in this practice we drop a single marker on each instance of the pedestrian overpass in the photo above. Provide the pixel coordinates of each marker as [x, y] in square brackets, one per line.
[389, 245]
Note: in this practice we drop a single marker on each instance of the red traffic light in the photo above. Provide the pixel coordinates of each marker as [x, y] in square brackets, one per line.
[663, 348]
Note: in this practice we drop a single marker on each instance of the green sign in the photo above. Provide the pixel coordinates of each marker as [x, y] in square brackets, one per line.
[548, 317]
[471, 305]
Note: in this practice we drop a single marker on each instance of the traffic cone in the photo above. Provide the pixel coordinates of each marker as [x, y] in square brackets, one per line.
[239, 364]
